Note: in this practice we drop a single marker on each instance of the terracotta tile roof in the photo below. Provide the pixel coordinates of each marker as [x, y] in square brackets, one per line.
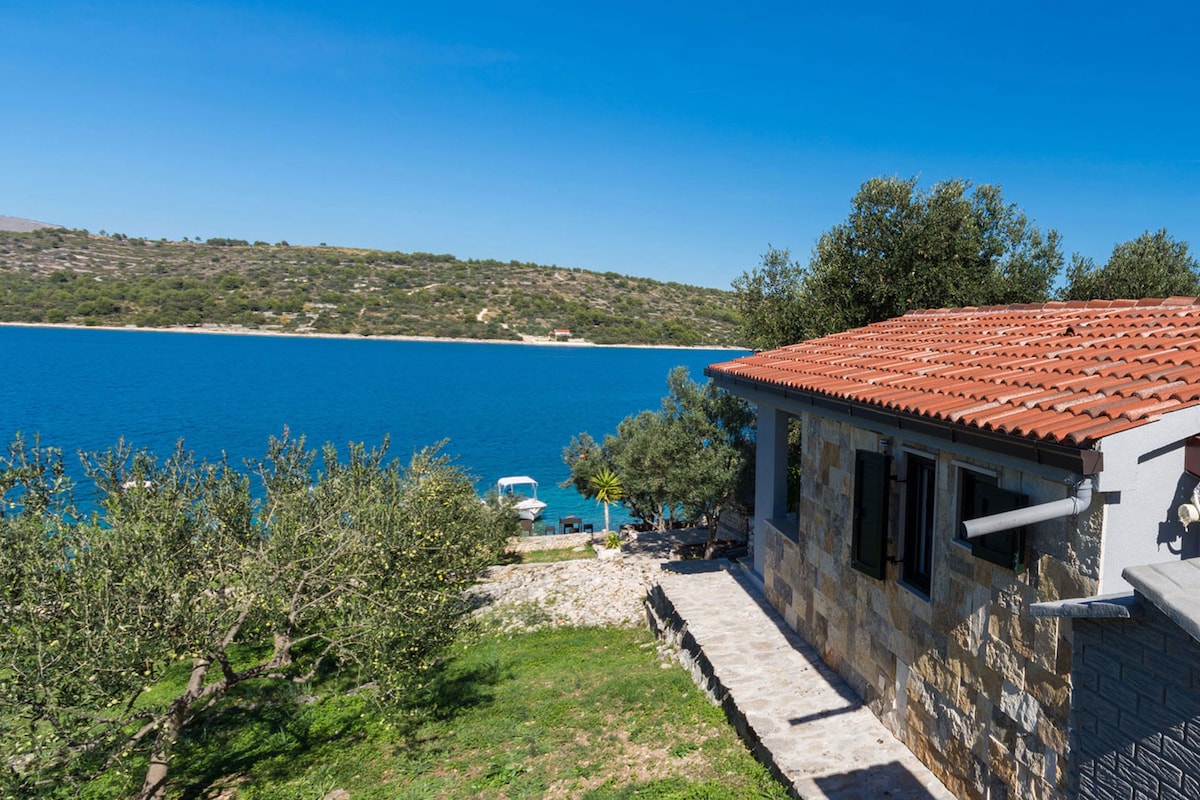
[1069, 373]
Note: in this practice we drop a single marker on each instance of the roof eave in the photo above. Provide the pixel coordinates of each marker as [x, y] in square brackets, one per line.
[1082, 460]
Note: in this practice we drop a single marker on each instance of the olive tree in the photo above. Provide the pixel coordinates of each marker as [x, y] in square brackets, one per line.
[1152, 265]
[770, 301]
[692, 456]
[900, 248]
[121, 630]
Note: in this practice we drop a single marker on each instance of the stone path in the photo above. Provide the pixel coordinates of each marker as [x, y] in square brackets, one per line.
[798, 716]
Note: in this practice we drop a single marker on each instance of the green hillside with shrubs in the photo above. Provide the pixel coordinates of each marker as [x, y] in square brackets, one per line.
[56, 275]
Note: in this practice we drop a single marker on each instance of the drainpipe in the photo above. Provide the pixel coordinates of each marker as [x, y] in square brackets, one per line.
[1007, 520]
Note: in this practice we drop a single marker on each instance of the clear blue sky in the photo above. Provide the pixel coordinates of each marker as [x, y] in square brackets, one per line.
[674, 140]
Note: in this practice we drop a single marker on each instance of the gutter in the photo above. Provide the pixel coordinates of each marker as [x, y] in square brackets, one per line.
[1007, 520]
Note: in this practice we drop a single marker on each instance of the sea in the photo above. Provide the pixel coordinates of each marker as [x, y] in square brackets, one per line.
[502, 409]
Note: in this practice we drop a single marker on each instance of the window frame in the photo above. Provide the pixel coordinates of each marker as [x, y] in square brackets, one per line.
[920, 521]
[980, 495]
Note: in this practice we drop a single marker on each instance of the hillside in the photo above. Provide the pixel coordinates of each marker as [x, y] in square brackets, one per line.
[56, 275]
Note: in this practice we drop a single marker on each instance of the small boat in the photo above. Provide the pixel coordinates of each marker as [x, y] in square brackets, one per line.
[522, 490]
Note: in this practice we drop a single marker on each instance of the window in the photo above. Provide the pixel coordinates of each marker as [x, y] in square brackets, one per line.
[979, 496]
[868, 545]
[920, 492]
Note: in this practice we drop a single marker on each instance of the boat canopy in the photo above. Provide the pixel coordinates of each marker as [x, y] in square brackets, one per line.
[516, 480]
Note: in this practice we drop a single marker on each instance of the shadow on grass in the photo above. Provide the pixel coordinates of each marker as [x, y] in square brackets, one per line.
[275, 732]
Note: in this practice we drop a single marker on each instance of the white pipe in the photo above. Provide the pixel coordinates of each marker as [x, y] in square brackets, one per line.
[1007, 520]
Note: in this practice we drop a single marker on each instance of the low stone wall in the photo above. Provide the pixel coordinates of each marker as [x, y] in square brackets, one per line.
[528, 544]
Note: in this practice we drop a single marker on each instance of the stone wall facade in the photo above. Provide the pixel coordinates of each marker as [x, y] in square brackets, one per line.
[977, 688]
[1135, 724]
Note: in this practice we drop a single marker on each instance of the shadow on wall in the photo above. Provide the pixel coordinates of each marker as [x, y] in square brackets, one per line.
[1180, 540]
[891, 780]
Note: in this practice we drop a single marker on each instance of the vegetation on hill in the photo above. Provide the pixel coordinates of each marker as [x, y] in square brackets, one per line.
[56, 275]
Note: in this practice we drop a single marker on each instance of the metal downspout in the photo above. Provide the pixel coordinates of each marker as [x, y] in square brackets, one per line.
[1007, 520]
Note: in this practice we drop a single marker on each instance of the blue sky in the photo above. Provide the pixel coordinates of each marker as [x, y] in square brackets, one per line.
[667, 139]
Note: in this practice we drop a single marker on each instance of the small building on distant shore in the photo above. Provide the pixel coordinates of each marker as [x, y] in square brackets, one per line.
[562, 334]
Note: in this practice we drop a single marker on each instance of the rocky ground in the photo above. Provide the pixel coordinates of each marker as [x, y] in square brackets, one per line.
[587, 592]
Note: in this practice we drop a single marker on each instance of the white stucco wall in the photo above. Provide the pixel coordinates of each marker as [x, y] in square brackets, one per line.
[1144, 482]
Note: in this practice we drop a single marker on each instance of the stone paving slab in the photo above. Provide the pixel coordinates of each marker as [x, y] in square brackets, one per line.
[798, 717]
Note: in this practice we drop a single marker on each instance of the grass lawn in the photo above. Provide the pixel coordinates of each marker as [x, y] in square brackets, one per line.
[550, 556]
[589, 713]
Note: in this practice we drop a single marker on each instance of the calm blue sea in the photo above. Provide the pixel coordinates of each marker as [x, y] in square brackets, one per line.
[506, 409]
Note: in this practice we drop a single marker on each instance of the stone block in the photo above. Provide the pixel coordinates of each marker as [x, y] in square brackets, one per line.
[831, 456]
[829, 586]
[1162, 765]
[1118, 693]
[1184, 703]
[1000, 761]
[945, 619]
[1000, 656]
[1064, 654]
[1169, 793]
[989, 681]
[781, 590]
[1045, 644]
[1052, 692]
[1131, 635]
[1140, 773]
[1166, 667]
[791, 618]
[1109, 784]
[1019, 706]
[1104, 661]
[1053, 736]
[1084, 721]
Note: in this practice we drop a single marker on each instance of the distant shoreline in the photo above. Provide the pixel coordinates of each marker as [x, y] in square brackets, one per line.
[237, 330]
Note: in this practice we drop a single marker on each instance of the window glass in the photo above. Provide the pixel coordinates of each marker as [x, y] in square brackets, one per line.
[868, 547]
[979, 496]
[920, 499]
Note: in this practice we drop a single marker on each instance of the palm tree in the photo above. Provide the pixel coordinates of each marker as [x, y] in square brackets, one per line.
[608, 490]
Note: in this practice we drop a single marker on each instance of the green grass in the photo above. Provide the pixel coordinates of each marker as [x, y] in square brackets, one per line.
[567, 712]
[550, 556]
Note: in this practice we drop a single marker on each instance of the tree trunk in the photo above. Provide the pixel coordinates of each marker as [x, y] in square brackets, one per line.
[154, 787]
[714, 520]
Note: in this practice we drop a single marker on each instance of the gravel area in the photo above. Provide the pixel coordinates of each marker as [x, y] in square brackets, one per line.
[587, 592]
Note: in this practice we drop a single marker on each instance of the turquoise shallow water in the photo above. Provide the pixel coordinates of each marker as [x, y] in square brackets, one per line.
[505, 409]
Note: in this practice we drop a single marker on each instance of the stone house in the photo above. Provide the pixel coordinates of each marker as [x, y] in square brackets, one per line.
[959, 466]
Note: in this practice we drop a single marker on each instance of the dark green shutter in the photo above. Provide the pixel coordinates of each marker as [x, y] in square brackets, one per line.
[868, 548]
[1006, 548]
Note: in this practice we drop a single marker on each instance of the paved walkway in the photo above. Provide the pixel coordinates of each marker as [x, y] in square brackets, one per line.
[797, 716]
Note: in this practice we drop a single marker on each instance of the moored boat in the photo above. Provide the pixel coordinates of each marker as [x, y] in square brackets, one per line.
[522, 490]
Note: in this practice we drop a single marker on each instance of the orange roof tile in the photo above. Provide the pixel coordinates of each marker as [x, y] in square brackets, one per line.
[1063, 372]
